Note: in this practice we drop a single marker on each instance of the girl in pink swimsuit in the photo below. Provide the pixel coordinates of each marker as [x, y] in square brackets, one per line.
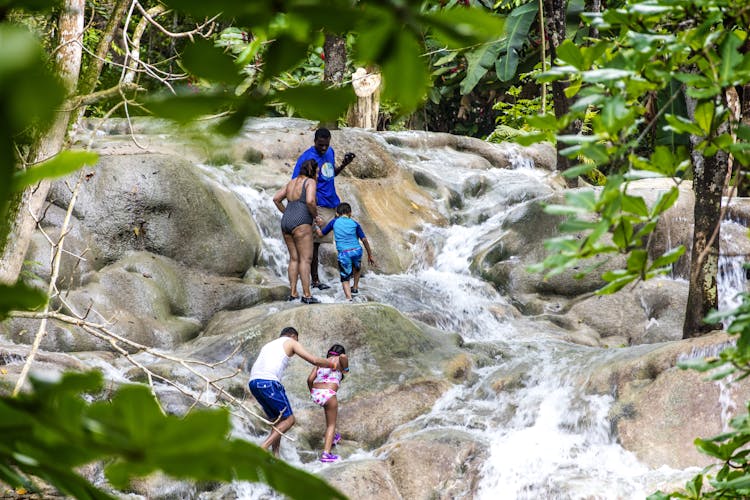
[323, 384]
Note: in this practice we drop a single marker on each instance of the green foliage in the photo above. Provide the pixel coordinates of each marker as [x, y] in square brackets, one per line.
[29, 94]
[514, 112]
[619, 80]
[58, 166]
[50, 432]
[269, 47]
[652, 53]
[516, 35]
[20, 296]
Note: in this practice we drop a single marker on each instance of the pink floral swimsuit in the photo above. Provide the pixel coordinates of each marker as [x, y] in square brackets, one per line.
[326, 376]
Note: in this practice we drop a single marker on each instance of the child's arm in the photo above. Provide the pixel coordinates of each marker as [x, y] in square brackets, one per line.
[343, 363]
[311, 377]
[325, 230]
[366, 244]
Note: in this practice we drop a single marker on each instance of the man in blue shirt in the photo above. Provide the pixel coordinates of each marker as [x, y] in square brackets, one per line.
[327, 198]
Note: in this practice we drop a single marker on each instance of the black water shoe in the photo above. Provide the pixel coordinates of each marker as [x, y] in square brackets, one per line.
[320, 286]
[310, 300]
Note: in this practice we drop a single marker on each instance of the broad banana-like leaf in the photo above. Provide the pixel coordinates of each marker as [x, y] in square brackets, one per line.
[516, 33]
[479, 61]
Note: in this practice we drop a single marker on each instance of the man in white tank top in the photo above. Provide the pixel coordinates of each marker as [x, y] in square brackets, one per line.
[265, 381]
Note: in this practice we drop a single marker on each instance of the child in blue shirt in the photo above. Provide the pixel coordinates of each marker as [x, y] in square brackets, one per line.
[347, 232]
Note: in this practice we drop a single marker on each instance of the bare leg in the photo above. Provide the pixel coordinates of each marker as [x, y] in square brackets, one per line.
[357, 273]
[274, 439]
[293, 268]
[347, 289]
[303, 240]
[314, 264]
[332, 411]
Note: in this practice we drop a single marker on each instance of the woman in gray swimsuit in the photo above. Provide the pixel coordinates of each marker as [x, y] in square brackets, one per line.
[296, 226]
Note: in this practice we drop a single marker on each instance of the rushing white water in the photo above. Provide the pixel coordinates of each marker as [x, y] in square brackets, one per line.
[546, 437]
[732, 277]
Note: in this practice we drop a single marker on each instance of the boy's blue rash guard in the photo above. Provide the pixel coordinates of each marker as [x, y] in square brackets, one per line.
[326, 193]
[346, 231]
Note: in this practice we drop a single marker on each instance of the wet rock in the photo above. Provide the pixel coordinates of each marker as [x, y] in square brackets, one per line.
[651, 311]
[436, 464]
[159, 203]
[496, 155]
[660, 409]
[368, 478]
[47, 365]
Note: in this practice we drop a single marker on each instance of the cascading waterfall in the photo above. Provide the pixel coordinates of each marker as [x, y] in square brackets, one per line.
[732, 278]
[547, 438]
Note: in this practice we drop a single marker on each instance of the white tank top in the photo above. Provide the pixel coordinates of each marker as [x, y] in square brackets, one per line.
[271, 362]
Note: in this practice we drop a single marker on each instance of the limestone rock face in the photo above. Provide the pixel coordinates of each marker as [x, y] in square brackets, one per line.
[660, 409]
[158, 203]
[646, 313]
[182, 255]
[660, 420]
[436, 464]
[148, 299]
[385, 348]
[363, 479]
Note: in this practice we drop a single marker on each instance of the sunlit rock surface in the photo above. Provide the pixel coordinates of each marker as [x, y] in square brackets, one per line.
[469, 374]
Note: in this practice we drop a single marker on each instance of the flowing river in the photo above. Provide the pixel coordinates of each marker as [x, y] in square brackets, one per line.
[547, 437]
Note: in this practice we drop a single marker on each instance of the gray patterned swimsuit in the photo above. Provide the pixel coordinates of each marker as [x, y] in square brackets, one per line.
[296, 213]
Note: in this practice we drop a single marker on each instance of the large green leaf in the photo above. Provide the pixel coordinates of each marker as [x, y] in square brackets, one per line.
[682, 125]
[704, 116]
[668, 258]
[57, 166]
[377, 35]
[284, 53]
[20, 297]
[479, 61]
[204, 60]
[29, 5]
[187, 105]
[671, 98]
[570, 53]
[255, 13]
[516, 33]
[317, 102]
[52, 431]
[405, 72]
[730, 57]
[615, 115]
[606, 75]
[461, 27]
[30, 94]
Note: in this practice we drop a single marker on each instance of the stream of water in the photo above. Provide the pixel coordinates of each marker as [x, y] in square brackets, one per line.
[547, 438]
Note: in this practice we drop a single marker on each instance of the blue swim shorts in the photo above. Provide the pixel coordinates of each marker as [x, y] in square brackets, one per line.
[349, 260]
[272, 397]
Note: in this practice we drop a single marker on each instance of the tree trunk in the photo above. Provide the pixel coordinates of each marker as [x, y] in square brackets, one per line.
[556, 10]
[364, 113]
[334, 49]
[90, 77]
[26, 208]
[709, 175]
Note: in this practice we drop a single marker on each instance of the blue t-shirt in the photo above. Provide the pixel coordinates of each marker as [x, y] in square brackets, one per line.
[346, 231]
[326, 192]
